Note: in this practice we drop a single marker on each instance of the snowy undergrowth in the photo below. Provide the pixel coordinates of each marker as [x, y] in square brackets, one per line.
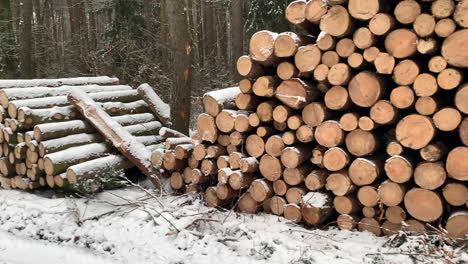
[132, 226]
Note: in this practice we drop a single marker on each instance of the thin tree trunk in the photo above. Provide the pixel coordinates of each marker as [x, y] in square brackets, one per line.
[196, 33]
[180, 42]
[78, 27]
[26, 40]
[65, 33]
[83, 31]
[210, 34]
[202, 34]
[147, 14]
[16, 16]
[163, 33]
[92, 29]
[39, 39]
[7, 49]
[237, 34]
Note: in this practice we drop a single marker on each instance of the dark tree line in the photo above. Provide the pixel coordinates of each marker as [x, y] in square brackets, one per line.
[180, 47]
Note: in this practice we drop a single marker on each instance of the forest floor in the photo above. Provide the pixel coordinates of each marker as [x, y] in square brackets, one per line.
[134, 226]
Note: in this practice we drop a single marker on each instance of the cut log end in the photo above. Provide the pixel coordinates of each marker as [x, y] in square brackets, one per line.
[363, 171]
[415, 131]
[371, 225]
[457, 163]
[424, 205]
[456, 224]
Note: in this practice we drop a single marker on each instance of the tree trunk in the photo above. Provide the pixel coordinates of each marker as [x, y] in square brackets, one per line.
[26, 54]
[180, 41]
[100, 167]
[135, 151]
[424, 205]
[7, 37]
[58, 162]
[159, 108]
[237, 34]
[12, 94]
[456, 224]
[55, 145]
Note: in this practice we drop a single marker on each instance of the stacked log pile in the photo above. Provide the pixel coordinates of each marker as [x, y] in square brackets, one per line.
[360, 118]
[47, 141]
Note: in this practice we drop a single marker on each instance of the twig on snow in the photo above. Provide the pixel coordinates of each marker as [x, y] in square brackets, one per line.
[193, 223]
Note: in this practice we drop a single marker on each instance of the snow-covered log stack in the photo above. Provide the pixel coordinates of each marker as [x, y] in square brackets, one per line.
[364, 123]
[47, 139]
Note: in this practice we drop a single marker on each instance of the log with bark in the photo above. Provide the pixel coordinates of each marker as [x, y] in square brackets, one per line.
[102, 80]
[120, 138]
[125, 96]
[160, 109]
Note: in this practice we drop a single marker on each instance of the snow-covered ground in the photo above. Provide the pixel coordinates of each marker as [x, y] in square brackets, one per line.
[134, 226]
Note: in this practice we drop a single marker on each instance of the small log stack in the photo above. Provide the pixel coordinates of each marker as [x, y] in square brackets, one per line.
[364, 123]
[47, 141]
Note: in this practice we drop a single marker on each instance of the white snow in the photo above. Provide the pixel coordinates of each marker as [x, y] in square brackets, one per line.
[186, 147]
[37, 92]
[297, 1]
[119, 137]
[294, 205]
[292, 35]
[24, 250]
[49, 114]
[122, 96]
[165, 132]
[95, 150]
[400, 158]
[62, 129]
[332, 121]
[58, 82]
[29, 134]
[263, 182]
[266, 51]
[224, 178]
[162, 109]
[316, 199]
[291, 149]
[123, 107]
[99, 164]
[224, 95]
[127, 120]
[41, 102]
[82, 138]
[234, 113]
[321, 35]
[150, 140]
[337, 149]
[156, 147]
[141, 128]
[174, 141]
[298, 98]
[367, 161]
[252, 161]
[228, 171]
[459, 213]
[130, 226]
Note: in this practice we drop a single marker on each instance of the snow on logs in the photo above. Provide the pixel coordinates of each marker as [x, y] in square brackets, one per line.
[102, 80]
[120, 138]
[12, 94]
[160, 109]
[216, 101]
[125, 96]
[47, 142]
[372, 109]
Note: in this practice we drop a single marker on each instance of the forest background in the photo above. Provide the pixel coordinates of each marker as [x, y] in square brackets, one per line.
[183, 48]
